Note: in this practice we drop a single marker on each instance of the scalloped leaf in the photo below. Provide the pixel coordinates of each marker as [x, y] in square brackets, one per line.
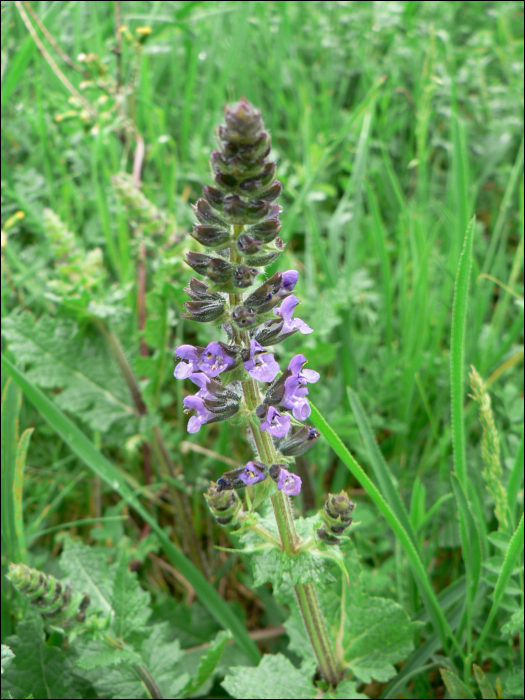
[39, 670]
[274, 677]
[59, 357]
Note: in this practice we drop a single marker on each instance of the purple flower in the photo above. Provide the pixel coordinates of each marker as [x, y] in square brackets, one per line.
[215, 359]
[293, 399]
[196, 403]
[261, 365]
[201, 380]
[285, 311]
[289, 483]
[289, 280]
[212, 360]
[184, 369]
[306, 376]
[275, 424]
[251, 475]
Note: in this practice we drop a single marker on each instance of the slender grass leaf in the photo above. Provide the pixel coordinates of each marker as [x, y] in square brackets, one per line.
[100, 466]
[471, 542]
[18, 491]
[381, 469]
[511, 560]
[457, 356]
[515, 481]
[11, 402]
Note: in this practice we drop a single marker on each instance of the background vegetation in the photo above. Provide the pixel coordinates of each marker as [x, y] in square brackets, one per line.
[393, 123]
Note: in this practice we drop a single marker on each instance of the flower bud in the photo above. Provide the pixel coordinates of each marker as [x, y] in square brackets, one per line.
[243, 317]
[219, 271]
[300, 441]
[248, 245]
[243, 276]
[224, 505]
[211, 236]
[199, 261]
[204, 311]
[337, 513]
[265, 297]
[207, 215]
[200, 291]
[270, 332]
[266, 231]
[267, 253]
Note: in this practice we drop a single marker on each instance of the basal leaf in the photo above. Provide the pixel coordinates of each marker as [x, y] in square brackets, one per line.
[274, 677]
[346, 690]
[162, 659]
[86, 569]
[129, 602]
[207, 664]
[7, 657]
[59, 357]
[37, 669]
[487, 691]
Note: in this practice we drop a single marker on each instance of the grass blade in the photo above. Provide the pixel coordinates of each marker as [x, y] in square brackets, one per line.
[18, 491]
[512, 556]
[381, 470]
[457, 356]
[427, 592]
[515, 481]
[100, 466]
[11, 402]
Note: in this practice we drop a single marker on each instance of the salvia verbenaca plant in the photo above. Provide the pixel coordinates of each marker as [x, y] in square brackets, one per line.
[237, 376]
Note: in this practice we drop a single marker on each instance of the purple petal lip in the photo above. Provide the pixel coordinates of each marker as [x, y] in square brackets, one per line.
[183, 370]
[287, 308]
[276, 424]
[296, 364]
[251, 475]
[289, 483]
[310, 375]
[200, 380]
[285, 311]
[187, 352]
[261, 365]
[289, 280]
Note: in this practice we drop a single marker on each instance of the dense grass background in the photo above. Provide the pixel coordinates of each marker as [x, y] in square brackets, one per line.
[393, 123]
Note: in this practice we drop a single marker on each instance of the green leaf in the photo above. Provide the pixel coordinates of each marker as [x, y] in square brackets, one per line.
[487, 691]
[514, 625]
[207, 664]
[37, 668]
[514, 684]
[11, 403]
[457, 356]
[7, 657]
[275, 677]
[18, 490]
[511, 559]
[129, 601]
[59, 357]
[164, 660]
[470, 537]
[389, 490]
[455, 686]
[271, 564]
[346, 690]
[376, 632]
[100, 466]
[109, 657]
[87, 570]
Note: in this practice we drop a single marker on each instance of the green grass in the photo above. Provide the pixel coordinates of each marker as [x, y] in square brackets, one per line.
[393, 125]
